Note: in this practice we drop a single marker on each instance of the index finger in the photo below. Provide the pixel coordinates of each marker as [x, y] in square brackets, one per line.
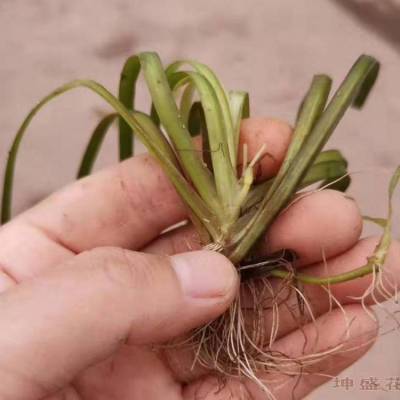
[127, 205]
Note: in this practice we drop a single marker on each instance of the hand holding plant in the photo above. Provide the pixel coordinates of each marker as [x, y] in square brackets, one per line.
[84, 325]
[238, 181]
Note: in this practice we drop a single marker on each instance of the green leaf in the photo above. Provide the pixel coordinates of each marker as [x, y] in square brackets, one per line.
[167, 111]
[145, 129]
[240, 108]
[224, 174]
[126, 94]
[175, 81]
[330, 167]
[222, 97]
[186, 103]
[93, 147]
[215, 143]
[280, 194]
[311, 110]
[197, 125]
[167, 159]
[223, 102]
[367, 85]
[331, 155]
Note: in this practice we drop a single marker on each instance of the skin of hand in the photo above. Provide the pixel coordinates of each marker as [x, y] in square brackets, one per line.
[88, 285]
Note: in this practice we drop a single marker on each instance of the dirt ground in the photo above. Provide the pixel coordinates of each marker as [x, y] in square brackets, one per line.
[270, 48]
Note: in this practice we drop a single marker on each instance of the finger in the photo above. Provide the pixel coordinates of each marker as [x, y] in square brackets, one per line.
[325, 223]
[270, 136]
[110, 207]
[127, 206]
[56, 325]
[345, 338]
[113, 207]
[386, 283]
[320, 299]
[274, 134]
[322, 224]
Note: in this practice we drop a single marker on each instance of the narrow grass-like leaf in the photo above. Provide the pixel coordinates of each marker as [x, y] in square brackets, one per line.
[276, 201]
[93, 147]
[186, 103]
[218, 122]
[223, 103]
[310, 110]
[167, 111]
[166, 157]
[197, 125]
[224, 174]
[312, 107]
[221, 96]
[126, 94]
[239, 102]
[367, 86]
[175, 81]
[208, 88]
[147, 132]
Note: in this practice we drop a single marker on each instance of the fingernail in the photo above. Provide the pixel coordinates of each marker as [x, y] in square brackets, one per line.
[204, 274]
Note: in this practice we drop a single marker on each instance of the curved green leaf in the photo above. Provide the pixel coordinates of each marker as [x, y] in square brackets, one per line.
[169, 116]
[93, 147]
[223, 102]
[146, 130]
[224, 174]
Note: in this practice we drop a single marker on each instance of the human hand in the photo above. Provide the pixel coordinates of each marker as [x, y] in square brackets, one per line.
[79, 315]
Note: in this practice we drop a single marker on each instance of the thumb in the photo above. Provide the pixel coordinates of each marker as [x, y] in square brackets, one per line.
[54, 326]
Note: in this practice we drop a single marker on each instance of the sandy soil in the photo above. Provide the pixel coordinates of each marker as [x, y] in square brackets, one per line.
[271, 48]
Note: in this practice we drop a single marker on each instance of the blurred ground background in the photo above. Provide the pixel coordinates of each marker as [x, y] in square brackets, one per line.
[270, 48]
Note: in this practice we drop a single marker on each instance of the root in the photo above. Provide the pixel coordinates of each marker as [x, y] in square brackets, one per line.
[241, 344]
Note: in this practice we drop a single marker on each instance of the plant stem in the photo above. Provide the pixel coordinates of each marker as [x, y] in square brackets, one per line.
[331, 280]
[375, 262]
